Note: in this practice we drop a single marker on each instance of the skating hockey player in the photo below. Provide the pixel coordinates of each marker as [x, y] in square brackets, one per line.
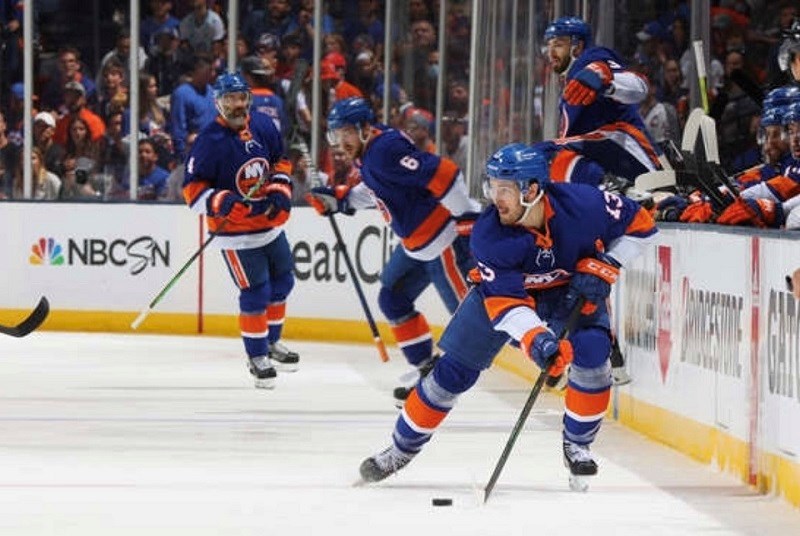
[540, 247]
[236, 175]
[424, 199]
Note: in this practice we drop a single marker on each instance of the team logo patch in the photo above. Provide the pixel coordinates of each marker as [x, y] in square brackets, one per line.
[249, 174]
[545, 258]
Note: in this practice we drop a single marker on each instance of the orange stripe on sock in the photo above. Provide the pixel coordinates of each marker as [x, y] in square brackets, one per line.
[587, 404]
[276, 311]
[422, 414]
[412, 328]
[253, 323]
[453, 274]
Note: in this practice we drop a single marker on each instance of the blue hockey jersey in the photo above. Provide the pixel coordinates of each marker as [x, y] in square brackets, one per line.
[516, 263]
[418, 192]
[226, 159]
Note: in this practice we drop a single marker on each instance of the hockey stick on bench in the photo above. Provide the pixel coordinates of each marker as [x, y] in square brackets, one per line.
[33, 321]
[160, 296]
[526, 409]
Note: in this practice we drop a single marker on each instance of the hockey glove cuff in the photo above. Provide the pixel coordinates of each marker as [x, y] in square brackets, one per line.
[548, 352]
[592, 279]
[583, 88]
[465, 222]
[756, 212]
[227, 204]
[327, 200]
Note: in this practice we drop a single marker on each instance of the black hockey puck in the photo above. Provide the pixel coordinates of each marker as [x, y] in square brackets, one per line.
[441, 501]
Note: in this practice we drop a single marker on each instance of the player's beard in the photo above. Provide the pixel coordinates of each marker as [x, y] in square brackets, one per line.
[509, 215]
[237, 119]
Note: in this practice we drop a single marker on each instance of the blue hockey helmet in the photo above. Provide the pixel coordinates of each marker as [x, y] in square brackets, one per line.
[781, 97]
[773, 117]
[225, 87]
[792, 114]
[352, 111]
[230, 83]
[519, 163]
[574, 27]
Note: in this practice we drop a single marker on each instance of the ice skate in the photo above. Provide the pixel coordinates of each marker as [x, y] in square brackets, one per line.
[578, 459]
[401, 393]
[284, 359]
[262, 370]
[385, 463]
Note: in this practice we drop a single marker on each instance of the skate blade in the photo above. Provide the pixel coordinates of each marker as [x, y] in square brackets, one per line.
[285, 367]
[268, 383]
[579, 483]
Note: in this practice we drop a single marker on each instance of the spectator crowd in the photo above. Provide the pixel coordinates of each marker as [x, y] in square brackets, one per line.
[82, 112]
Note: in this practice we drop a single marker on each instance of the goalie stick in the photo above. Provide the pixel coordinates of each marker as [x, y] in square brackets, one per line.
[33, 321]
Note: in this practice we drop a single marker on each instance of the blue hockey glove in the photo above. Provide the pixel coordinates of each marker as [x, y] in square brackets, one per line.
[227, 204]
[547, 351]
[327, 200]
[592, 279]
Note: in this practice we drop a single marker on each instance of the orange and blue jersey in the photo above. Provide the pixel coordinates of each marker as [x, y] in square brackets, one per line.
[226, 159]
[610, 130]
[419, 193]
[518, 263]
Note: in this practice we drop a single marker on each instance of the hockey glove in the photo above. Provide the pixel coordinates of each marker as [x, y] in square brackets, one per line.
[698, 212]
[756, 212]
[583, 88]
[227, 204]
[327, 200]
[465, 222]
[276, 204]
[670, 208]
[592, 279]
[547, 351]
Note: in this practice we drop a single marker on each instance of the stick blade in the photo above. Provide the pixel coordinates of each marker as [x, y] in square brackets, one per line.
[33, 321]
[654, 180]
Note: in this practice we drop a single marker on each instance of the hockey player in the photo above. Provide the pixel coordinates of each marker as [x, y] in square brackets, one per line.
[774, 202]
[599, 106]
[540, 247]
[236, 175]
[424, 199]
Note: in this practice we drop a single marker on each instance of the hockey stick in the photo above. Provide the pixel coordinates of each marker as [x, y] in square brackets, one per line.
[33, 321]
[700, 63]
[376, 336]
[146, 311]
[526, 409]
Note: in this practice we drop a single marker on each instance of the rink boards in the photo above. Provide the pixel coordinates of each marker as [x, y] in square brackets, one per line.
[710, 332]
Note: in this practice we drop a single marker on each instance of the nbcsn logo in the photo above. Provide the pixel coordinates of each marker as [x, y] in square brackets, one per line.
[46, 251]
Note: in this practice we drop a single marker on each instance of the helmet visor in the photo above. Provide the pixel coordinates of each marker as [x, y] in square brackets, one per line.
[499, 190]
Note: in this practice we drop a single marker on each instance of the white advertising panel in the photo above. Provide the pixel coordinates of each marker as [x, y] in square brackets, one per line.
[108, 257]
[780, 351]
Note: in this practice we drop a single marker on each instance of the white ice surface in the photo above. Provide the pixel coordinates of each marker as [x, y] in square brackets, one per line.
[122, 435]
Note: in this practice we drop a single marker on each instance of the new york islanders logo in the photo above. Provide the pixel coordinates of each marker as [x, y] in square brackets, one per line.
[250, 173]
[545, 258]
[46, 251]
